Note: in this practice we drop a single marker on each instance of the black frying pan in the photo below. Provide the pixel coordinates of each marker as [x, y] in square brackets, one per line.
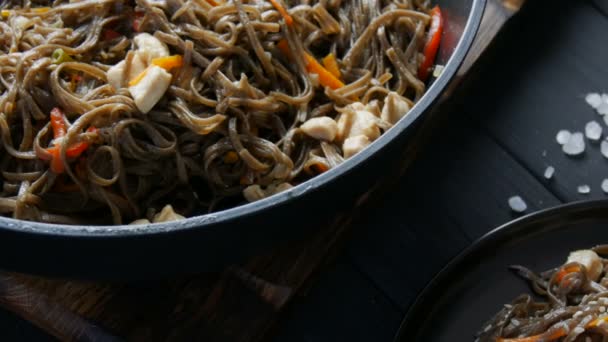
[210, 241]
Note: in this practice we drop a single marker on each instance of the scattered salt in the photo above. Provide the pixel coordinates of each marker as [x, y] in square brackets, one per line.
[604, 148]
[594, 99]
[584, 189]
[549, 171]
[605, 188]
[574, 146]
[602, 309]
[578, 330]
[602, 109]
[593, 130]
[517, 204]
[563, 136]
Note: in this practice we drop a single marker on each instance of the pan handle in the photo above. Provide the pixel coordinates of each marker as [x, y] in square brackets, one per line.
[495, 16]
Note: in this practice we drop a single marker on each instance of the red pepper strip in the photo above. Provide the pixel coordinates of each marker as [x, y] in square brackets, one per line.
[58, 123]
[59, 131]
[136, 24]
[56, 164]
[432, 44]
[109, 34]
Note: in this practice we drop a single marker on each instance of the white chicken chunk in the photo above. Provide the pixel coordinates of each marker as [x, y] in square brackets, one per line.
[149, 47]
[320, 128]
[255, 192]
[167, 214]
[357, 127]
[395, 107]
[140, 221]
[592, 262]
[147, 92]
[117, 75]
[354, 145]
[357, 120]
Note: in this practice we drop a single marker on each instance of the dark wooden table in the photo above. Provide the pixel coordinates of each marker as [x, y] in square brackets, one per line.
[355, 281]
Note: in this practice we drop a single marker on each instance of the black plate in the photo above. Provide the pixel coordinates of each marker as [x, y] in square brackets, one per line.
[475, 285]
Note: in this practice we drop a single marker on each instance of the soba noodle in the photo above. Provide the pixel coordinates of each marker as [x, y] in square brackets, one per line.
[192, 103]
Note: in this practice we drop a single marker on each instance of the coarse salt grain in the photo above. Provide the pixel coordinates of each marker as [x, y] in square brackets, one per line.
[602, 309]
[575, 145]
[583, 189]
[602, 109]
[593, 131]
[563, 136]
[517, 204]
[594, 99]
[604, 148]
[577, 314]
[549, 171]
[578, 330]
[605, 186]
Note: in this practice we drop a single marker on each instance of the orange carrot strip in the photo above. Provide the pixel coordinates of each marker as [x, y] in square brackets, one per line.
[170, 62]
[566, 270]
[139, 77]
[283, 12]
[167, 63]
[326, 78]
[331, 64]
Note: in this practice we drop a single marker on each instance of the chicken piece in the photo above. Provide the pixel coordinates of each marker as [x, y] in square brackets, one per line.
[151, 88]
[140, 221]
[320, 128]
[354, 145]
[149, 47]
[357, 119]
[167, 214]
[592, 262]
[117, 76]
[255, 192]
[395, 107]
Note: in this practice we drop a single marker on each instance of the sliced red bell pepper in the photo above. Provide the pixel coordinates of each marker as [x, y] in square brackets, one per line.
[432, 44]
[59, 131]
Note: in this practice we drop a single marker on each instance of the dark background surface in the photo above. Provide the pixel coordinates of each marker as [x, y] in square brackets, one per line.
[495, 142]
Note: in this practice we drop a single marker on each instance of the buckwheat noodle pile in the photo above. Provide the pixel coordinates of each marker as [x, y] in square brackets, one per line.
[570, 304]
[113, 110]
